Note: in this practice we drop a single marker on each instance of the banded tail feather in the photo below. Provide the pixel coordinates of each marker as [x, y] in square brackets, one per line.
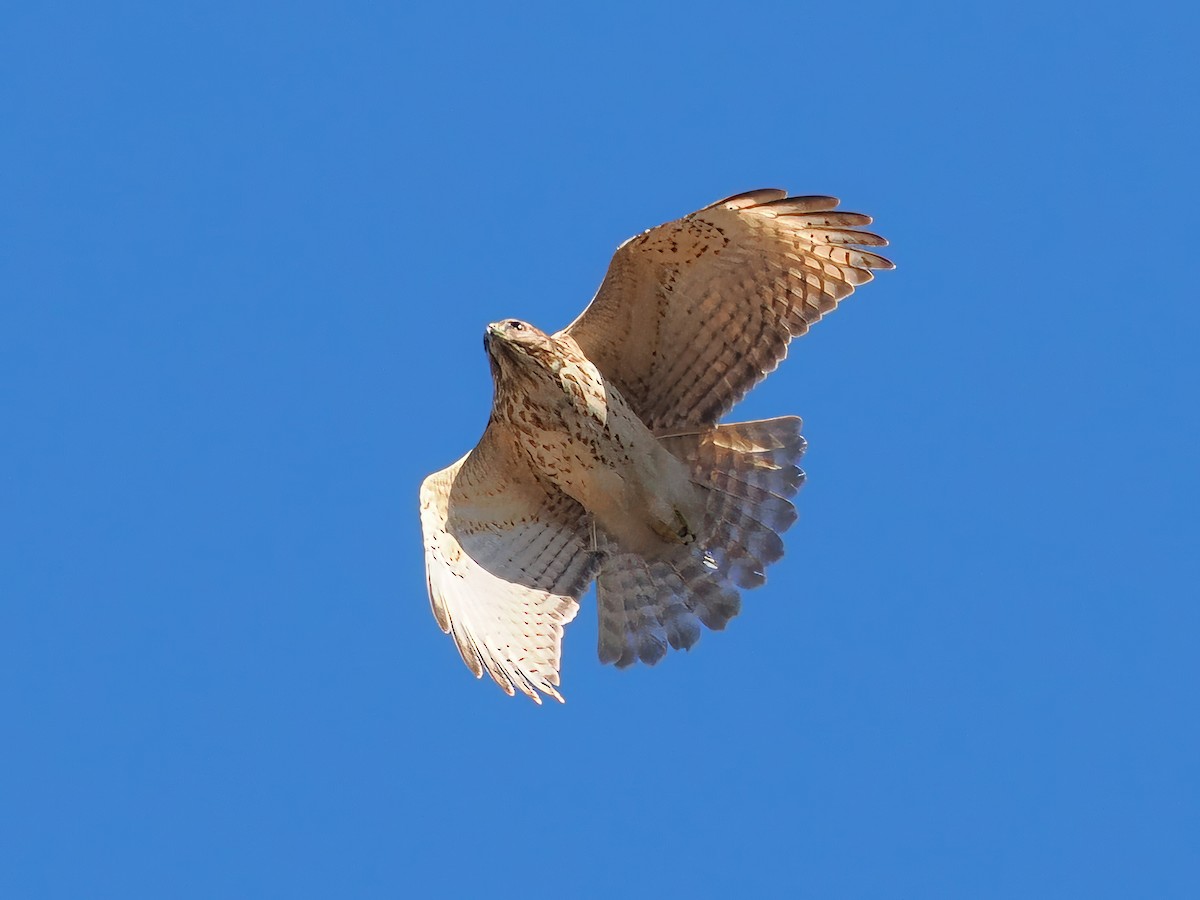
[748, 472]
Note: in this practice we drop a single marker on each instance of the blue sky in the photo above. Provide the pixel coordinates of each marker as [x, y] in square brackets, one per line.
[247, 254]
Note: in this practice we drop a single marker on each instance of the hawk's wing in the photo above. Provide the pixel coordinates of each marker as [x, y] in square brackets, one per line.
[694, 313]
[507, 558]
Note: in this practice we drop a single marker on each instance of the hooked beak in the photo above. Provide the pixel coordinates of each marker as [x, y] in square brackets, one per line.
[494, 333]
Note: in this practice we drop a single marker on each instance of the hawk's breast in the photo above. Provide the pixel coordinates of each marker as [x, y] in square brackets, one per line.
[581, 435]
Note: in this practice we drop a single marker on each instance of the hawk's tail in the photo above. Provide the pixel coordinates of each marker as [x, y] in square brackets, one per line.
[748, 471]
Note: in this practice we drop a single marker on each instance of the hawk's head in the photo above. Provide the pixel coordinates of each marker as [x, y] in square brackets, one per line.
[511, 342]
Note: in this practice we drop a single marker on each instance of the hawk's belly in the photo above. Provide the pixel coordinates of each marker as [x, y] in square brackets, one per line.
[592, 446]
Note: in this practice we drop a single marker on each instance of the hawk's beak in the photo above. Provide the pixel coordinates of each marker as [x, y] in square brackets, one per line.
[494, 333]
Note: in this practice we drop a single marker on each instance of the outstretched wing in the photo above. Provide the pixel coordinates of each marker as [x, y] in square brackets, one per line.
[507, 558]
[694, 313]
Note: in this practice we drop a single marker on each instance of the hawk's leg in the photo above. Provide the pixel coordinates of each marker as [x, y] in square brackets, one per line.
[679, 532]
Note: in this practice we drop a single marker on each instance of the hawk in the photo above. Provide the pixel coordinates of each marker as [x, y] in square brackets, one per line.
[604, 458]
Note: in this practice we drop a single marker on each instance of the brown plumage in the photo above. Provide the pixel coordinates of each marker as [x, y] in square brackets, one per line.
[603, 457]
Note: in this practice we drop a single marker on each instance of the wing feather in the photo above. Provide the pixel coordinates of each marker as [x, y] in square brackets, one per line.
[507, 558]
[694, 313]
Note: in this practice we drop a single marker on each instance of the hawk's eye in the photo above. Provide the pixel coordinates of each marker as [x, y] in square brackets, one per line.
[516, 326]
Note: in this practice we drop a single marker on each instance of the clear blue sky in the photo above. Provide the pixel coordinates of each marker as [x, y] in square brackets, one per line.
[247, 254]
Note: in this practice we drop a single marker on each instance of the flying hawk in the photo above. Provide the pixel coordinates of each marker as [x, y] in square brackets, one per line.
[603, 458]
